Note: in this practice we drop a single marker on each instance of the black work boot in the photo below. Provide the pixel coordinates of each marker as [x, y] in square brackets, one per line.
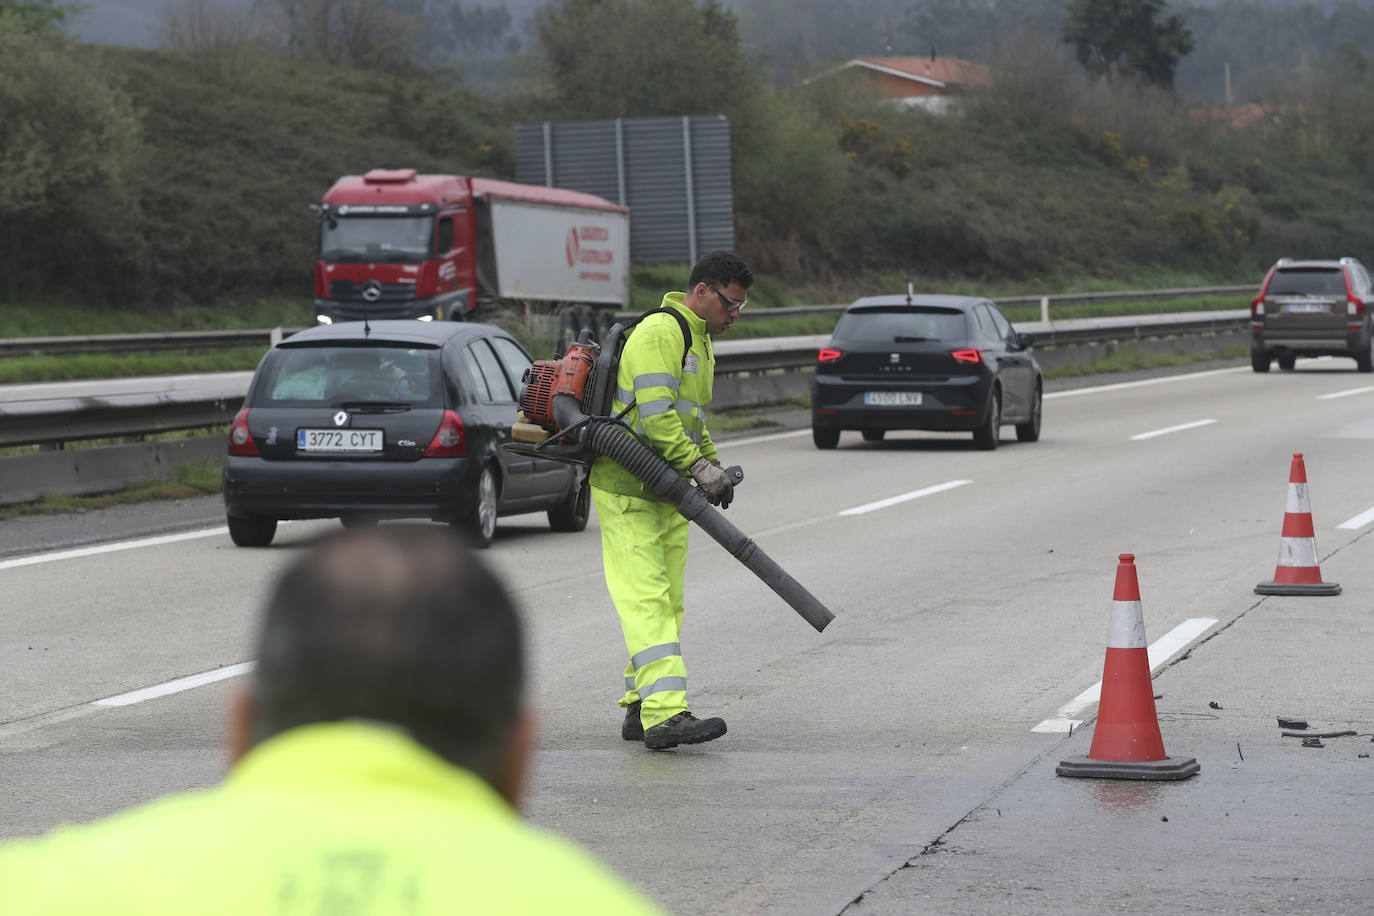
[683, 728]
[632, 729]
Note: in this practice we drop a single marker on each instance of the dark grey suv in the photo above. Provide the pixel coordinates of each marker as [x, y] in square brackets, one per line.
[1312, 308]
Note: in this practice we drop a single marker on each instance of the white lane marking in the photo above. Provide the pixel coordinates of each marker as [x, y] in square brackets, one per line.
[43, 720]
[1345, 394]
[111, 548]
[1171, 429]
[1162, 380]
[1165, 648]
[176, 686]
[1358, 521]
[770, 437]
[914, 494]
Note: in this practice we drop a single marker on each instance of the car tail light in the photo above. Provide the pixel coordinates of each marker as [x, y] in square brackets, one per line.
[1354, 306]
[450, 441]
[967, 356]
[828, 355]
[240, 439]
[1257, 306]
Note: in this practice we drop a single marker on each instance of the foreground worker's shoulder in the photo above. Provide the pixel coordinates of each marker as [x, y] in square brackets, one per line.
[574, 883]
[91, 868]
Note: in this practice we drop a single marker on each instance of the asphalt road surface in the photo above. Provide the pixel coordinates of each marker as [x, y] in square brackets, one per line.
[902, 761]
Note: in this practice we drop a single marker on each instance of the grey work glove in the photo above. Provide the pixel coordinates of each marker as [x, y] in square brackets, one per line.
[712, 482]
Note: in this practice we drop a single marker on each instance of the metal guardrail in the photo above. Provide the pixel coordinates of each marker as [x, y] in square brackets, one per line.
[72, 411]
[748, 371]
[218, 340]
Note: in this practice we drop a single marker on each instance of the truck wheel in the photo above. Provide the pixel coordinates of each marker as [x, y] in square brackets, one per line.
[572, 512]
[251, 531]
[1259, 360]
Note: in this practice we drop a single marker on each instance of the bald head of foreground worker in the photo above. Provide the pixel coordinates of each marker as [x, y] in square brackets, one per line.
[379, 752]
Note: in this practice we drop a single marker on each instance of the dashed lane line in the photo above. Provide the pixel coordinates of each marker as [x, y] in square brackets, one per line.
[1171, 429]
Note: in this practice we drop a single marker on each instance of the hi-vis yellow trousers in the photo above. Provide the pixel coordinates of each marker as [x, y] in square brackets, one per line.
[644, 553]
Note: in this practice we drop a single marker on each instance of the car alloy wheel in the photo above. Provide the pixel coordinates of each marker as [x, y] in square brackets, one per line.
[572, 511]
[1030, 430]
[481, 524]
[986, 436]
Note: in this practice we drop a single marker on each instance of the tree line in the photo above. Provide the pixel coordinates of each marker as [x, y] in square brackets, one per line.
[186, 173]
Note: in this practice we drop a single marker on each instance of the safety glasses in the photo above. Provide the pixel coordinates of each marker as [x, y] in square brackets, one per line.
[736, 304]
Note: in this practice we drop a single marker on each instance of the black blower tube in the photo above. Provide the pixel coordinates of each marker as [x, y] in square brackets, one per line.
[611, 440]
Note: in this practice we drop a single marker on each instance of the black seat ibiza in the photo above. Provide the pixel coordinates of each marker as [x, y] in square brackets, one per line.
[392, 419]
[925, 362]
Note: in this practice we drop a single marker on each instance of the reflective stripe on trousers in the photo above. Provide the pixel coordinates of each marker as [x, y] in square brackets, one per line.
[644, 554]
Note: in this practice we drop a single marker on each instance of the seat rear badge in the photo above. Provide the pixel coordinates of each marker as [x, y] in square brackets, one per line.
[340, 418]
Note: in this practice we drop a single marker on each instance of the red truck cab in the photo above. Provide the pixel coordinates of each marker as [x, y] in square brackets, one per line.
[396, 244]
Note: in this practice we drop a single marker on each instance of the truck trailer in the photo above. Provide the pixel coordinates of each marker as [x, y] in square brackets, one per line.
[397, 244]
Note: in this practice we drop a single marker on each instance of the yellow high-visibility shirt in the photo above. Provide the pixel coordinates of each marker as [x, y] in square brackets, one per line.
[670, 391]
[350, 819]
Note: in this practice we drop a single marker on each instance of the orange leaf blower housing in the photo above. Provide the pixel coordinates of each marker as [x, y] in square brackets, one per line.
[549, 377]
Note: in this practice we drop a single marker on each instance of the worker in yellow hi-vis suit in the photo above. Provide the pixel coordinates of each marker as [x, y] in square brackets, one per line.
[380, 752]
[643, 538]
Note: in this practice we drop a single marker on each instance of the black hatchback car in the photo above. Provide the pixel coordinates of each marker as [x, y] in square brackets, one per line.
[392, 419]
[927, 362]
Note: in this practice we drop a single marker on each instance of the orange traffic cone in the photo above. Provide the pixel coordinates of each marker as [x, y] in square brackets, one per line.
[1297, 572]
[1126, 741]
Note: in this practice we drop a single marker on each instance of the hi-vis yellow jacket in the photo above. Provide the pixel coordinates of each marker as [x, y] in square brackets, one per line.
[670, 397]
[337, 818]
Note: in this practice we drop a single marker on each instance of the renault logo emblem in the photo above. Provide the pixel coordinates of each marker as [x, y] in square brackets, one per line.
[340, 418]
[372, 291]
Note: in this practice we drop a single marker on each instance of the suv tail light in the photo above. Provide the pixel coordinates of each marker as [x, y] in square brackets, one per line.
[828, 355]
[1354, 306]
[450, 441]
[967, 356]
[1257, 306]
[240, 439]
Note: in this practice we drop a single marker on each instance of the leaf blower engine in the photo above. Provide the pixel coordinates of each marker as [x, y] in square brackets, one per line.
[565, 407]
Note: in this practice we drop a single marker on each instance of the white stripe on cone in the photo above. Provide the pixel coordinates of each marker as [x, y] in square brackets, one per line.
[1297, 552]
[1298, 502]
[1127, 629]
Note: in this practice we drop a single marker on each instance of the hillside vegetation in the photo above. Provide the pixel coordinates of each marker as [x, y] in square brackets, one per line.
[140, 178]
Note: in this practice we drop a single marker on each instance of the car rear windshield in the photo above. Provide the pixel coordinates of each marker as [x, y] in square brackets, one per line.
[333, 374]
[1308, 281]
[888, 324]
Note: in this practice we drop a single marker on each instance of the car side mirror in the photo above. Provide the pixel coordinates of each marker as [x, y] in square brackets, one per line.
[1024, 341]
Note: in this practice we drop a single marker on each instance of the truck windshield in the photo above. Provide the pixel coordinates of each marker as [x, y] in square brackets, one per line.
[377, 238]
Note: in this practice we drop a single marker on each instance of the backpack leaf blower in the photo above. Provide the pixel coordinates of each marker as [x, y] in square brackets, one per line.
[566, 406]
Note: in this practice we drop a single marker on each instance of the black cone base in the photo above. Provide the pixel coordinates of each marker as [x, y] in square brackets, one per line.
[1297, 588]
[1168, 768]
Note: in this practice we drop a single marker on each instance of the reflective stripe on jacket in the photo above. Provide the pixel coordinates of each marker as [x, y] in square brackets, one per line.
[670, 399]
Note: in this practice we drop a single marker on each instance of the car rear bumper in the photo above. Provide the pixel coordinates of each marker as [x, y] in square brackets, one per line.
[1342, 342]
[439, 488]
[955, 405]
